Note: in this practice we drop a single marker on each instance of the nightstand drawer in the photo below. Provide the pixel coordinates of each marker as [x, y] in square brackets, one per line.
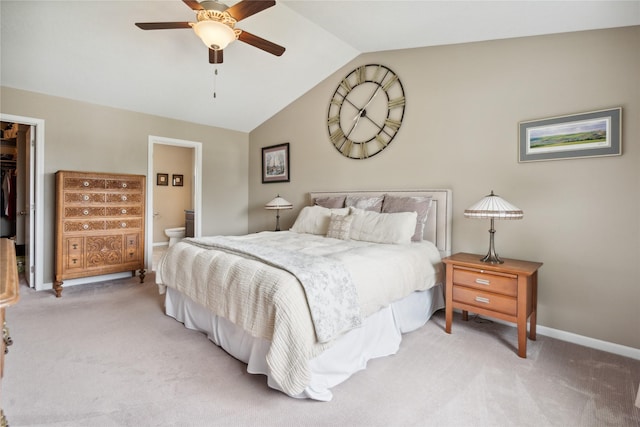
[506, 284]
[485, 300]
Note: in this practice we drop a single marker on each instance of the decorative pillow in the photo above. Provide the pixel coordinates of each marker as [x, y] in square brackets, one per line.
[394, 228]
[315, 219]
[331, 202]
[340, 226]
[366, 203]
[417, 204]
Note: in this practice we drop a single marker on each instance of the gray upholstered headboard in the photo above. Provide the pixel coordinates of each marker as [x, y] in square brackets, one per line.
[438, 226]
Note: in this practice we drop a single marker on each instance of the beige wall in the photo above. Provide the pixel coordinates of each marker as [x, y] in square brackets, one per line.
[170, 202]
[464, 103]
[87, 137]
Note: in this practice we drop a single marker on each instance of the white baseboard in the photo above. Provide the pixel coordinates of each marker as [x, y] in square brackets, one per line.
[85, 280]
[609, 347]
[160, 243]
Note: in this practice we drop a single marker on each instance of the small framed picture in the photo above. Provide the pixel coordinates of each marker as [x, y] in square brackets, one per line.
[162, 179]
[178, 180]
[275, 163]
[591, 134]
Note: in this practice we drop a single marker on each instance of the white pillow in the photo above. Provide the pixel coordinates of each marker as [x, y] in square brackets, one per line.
[394, 228]
[315, 219]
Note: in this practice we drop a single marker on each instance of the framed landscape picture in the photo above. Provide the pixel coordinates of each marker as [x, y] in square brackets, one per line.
[596, 133]
[275, 163]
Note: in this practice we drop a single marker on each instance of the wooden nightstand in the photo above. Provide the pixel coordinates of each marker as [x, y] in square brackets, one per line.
[506, 291]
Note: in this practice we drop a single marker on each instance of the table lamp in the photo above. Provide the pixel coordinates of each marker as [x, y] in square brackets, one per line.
[277, 204]
[493, 207]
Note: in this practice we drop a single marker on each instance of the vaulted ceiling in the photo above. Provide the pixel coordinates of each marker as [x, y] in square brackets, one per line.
[91, 50]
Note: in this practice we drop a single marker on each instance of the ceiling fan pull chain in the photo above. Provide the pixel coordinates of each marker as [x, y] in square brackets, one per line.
[215, 75]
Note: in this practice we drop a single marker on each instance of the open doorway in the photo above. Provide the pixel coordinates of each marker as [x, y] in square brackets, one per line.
[171, 184]
[23, 170]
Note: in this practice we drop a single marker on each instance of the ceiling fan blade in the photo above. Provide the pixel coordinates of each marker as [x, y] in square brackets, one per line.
[261, 43]
[246, 8]
[215, 56]
[162, 25]
[193, 4]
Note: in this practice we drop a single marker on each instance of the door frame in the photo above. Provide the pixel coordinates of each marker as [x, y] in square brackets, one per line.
[36, 239]
[196, 196]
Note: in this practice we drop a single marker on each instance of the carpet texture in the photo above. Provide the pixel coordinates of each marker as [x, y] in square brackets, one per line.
[106, 355]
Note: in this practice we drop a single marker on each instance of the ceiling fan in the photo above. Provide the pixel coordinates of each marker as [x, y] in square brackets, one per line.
[216, 26]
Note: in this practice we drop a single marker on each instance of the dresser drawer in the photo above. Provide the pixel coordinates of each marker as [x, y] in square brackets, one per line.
[124, 211]
[135, 198]
[84, 182]
[83, 198]
[485, 300]
[122, 224]
[83, 212]
[506, 284]
[76, 226]
[127, 184]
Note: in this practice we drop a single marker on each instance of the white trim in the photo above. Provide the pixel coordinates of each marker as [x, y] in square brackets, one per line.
[39, 196]
[197, 189]
[609, 347]
[90, 279]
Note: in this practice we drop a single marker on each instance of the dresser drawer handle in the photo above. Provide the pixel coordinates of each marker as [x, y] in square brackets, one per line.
[123, 224]
[86, 183]
[482, 300]
[85, 226]
[124, 211]
[85, 212]
[85, 197]
[124, 185]
[124, 198]
[483, 281]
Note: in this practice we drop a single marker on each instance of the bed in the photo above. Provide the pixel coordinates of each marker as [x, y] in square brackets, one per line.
[309, 306]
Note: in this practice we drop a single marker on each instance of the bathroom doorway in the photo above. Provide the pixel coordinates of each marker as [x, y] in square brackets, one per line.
[174, 184]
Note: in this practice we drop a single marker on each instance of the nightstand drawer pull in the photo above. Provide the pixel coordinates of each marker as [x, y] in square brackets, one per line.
[483, 300]
[483, 281]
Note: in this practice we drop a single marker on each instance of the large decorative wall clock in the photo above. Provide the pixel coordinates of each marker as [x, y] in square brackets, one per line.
[366, 111]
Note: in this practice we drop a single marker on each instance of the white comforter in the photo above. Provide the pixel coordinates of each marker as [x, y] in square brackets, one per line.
[277, 309]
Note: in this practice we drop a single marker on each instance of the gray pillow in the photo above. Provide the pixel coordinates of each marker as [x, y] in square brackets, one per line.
[367, 203]
[330, 202]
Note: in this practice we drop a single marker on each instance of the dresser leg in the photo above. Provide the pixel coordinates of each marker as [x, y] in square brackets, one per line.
[57, 287]
[142, 271]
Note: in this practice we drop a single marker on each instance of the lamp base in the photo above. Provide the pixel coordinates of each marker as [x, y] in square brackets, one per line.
[492, 257]
[277, 220]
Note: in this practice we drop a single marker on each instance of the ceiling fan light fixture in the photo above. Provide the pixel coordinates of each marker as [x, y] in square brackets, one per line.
[214, 34]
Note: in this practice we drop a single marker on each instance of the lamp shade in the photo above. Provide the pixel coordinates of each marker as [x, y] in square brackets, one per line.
[494, 207]
[278, 203]
[215, 35]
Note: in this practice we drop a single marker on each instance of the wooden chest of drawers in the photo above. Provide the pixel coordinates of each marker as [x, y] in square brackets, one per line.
[505, 291]
[99, 225]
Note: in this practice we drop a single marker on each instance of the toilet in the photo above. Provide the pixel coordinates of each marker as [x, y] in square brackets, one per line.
[175, 234]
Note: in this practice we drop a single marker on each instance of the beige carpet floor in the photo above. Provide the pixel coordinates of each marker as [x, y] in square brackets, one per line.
[106, 355]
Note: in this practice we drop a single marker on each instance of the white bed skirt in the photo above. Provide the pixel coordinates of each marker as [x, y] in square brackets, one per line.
[379, 336]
